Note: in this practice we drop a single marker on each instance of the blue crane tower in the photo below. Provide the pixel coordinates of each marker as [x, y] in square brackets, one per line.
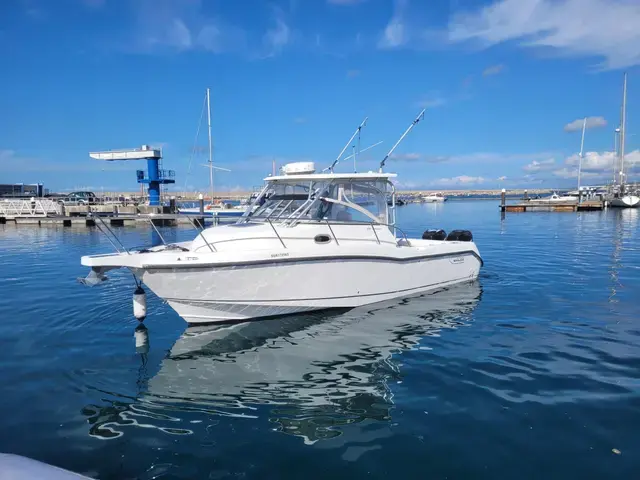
[155, 176]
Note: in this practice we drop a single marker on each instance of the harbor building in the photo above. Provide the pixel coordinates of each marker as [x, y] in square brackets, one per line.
[23, 190]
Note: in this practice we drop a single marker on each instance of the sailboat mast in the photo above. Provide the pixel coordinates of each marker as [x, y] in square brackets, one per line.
[210, 144]
[584, 127]
[623, 128]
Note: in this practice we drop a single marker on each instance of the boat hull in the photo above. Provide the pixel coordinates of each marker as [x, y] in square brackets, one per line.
[236, 293]
[627, 201]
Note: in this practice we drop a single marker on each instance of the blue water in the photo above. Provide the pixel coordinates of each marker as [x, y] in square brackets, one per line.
[531, 372]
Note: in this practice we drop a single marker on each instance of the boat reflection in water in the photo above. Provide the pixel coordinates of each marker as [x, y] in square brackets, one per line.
[307, 374]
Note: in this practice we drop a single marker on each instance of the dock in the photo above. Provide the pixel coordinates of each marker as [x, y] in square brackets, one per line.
[161, 220]
[533, 206]
[582, 204]
[48, 213]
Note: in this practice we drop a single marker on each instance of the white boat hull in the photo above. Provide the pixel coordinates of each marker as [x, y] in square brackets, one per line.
[231, 282]
[626, 201]
[232, 293]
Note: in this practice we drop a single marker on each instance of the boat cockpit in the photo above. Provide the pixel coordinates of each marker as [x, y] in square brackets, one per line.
[335, 198]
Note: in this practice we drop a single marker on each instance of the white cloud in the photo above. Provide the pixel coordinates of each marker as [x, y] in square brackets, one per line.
[603, 161]
[604, 29]
[395, 34]
[573, 173]
[592, 122]
[460, 180]
[277, 37]
[493, 70]
[414, 156]
[431, 100]
[536, 166]
[502, 178]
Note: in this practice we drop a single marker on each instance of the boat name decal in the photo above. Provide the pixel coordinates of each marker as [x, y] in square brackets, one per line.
[457, 260]
[191, 258]
[277, 255]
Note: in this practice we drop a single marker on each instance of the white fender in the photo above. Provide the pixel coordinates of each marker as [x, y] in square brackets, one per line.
[139, 304]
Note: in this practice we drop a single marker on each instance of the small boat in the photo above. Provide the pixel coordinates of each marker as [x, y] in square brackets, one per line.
[309, 241]
[622, 195]
[215, 209]
[434, 198]
[555, 198]
[221, 209]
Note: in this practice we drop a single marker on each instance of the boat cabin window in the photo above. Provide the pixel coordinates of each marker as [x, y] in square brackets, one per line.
[281, 200]
[348, 201]
[353, 202]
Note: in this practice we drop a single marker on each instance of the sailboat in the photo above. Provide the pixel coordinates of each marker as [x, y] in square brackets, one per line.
[213, 208]
[620, 195]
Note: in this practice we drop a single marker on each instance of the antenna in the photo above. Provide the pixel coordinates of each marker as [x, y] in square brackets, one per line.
[208, 165]
[335, 162]
[413, 124]
[363, 150]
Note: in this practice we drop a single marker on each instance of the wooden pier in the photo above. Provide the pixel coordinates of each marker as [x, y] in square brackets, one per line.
[533, 206]
[164, 220]
[45, 212]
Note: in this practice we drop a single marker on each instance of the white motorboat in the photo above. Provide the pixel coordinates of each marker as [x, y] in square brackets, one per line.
[555, 198]
[215, 209]
[434, 198]
[308, 241]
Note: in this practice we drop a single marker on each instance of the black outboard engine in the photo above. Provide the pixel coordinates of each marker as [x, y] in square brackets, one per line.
[460, 236]
[433, 234]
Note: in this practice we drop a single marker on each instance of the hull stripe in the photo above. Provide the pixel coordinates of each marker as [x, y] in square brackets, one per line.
[280, 260]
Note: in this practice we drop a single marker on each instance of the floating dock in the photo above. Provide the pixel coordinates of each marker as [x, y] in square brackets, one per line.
[538, 205]
[533, 206]
[43, 212]
[164, 220]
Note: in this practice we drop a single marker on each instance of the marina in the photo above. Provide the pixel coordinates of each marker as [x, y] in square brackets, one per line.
[167, 398]
[195, 286]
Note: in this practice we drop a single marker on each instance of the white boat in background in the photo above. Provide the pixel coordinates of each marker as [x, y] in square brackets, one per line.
[625, 201]
[221, 209]
[309, 241]
[620, 195]
[434, 198]
[213, 208]
[555, 198]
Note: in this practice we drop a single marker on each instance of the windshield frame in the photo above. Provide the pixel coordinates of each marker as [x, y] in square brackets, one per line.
[318, 193]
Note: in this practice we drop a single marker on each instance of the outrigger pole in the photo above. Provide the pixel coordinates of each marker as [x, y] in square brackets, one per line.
[335, 162]
[415, 122]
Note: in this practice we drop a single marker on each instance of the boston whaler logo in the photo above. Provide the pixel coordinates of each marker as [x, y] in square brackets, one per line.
[457, 260]
[278, 255]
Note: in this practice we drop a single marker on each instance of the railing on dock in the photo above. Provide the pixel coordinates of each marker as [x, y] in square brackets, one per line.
[29, 208]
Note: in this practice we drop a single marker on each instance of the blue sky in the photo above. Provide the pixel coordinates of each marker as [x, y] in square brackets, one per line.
[502, 82]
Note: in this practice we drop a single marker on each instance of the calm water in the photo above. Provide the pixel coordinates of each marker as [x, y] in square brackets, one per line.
[532, 372]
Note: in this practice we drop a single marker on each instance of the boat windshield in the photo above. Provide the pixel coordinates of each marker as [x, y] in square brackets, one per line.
[347, 201]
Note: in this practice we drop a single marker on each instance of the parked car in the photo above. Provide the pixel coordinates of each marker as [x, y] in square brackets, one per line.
[81, 198]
